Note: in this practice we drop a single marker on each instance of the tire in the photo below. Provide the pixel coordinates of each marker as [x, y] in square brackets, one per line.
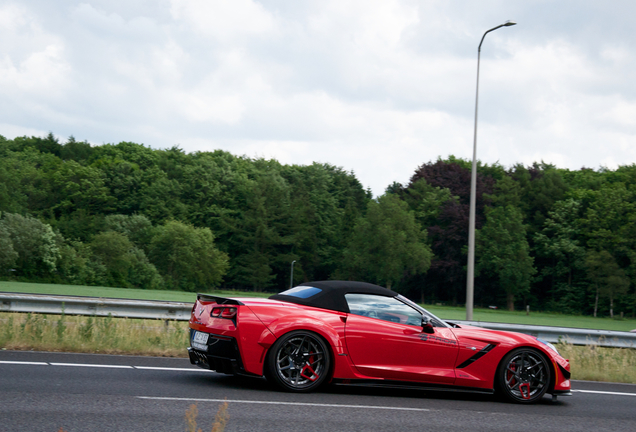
[299, 361]
[523, 376]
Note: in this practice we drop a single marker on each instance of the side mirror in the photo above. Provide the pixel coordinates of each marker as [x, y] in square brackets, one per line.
[427, 326]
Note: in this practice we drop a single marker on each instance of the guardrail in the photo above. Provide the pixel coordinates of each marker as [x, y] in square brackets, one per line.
[72, 305]
[149, 309]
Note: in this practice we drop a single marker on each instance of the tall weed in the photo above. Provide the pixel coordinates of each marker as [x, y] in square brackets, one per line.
[93, 334]
[595, 363]
[220, 419]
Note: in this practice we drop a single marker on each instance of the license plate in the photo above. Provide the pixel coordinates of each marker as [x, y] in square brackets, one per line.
[201, 337]
[200, 340]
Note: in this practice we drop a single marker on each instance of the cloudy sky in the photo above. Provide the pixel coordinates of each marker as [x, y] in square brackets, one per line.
[376, 87]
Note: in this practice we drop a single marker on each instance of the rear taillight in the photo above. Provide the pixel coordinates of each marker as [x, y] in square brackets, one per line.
[229, 312]
[224, 312]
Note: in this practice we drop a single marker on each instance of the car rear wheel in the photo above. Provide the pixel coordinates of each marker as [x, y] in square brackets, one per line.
[523, 376]
[299, 361]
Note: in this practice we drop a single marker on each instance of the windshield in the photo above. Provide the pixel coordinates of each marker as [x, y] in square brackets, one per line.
[436, 321]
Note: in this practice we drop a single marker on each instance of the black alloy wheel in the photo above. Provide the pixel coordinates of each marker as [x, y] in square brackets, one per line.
[299, 361]
[523, 376]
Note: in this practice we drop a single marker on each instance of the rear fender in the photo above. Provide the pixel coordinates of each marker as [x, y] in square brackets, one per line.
[285, 325]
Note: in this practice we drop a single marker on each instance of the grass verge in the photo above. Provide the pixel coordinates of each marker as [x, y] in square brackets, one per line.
[594, 363]
[155, 338]
[104, 335]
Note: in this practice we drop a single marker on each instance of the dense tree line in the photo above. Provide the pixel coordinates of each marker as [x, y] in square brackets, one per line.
[551, 238]
[127, 215]
[131, 216]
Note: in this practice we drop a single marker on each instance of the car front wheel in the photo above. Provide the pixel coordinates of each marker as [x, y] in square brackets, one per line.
[299, 361]
[523, 376]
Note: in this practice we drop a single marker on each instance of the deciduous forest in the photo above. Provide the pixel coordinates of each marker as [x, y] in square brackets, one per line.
[127, 215]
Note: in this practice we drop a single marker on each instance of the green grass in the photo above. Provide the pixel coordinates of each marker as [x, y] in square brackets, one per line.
[594, 363]
[445, 312]
[119, 293]
[81, 334]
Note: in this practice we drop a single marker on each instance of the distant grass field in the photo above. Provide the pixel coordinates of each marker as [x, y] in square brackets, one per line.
[120, 293]
[445, 312]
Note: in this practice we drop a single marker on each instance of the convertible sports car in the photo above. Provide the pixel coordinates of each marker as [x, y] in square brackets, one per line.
[359, 333]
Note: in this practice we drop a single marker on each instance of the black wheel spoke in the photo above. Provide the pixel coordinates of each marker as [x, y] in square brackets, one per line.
[300, 345]
[514, 372]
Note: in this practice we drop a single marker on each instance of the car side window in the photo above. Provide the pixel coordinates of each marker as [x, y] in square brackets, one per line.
[384, 308]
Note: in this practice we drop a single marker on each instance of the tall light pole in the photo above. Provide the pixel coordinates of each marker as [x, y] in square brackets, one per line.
[291, 279]
[470, 278]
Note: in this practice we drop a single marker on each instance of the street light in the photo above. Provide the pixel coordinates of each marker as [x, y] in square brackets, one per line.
[470, 282]
[291, 279]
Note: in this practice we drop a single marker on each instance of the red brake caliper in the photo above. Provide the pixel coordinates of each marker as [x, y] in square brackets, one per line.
[307, 367]
[525, 386]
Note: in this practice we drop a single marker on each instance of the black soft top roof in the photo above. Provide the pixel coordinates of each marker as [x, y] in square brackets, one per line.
[332, 294]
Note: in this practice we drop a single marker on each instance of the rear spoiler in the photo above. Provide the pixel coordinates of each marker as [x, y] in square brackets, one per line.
[218, 300]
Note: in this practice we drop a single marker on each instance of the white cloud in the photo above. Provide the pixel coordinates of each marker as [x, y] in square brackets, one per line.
[377, 87]
[34, 63]
[223, 19]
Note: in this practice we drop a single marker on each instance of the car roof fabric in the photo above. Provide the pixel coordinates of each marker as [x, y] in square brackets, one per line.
[332, 296]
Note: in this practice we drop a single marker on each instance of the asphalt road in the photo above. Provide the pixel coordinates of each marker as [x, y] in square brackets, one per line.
[79, 392]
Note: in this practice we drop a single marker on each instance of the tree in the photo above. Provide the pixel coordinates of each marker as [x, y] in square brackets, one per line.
[34, 242]
[609, 220]
[187, 257]
[124, 264]
[8, 255]
[324, 202]
[261, 233]
[425, 200]
[608, 278]
[541, 185]
[137, 228]
[560, 242]
[503, 250]
[75, 265]
[75, 150]
[448, 234]
[387, 244]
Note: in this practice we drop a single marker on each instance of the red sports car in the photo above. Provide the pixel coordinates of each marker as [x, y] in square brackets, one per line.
[359, 333]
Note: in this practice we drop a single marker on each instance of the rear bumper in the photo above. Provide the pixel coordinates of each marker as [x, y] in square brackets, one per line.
[222, 355]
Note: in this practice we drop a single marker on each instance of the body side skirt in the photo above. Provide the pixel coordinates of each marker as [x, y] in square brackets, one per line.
[409, 385]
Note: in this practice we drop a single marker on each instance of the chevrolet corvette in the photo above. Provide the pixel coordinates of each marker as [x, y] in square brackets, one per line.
[358, 333]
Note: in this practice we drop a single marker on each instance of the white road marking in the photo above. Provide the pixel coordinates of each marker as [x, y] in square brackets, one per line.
[315, 405]
[93, 365]
[106, 366]
[605, 392]
[172, 369]
[245, 401]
